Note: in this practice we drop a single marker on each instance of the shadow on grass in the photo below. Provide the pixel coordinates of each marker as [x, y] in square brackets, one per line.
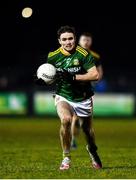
[121, 167]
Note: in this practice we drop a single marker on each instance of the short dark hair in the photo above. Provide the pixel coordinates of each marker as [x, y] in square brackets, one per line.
[87, 34]
[64, 29]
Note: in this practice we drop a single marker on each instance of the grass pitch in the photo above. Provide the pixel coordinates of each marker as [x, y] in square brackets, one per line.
[30, 148]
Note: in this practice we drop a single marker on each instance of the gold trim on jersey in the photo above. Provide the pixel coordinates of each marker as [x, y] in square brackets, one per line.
[95, 55]
[54, 53]
[81, 50]
[64, 52]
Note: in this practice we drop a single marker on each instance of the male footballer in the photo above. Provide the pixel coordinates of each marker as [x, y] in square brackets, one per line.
[76, 69]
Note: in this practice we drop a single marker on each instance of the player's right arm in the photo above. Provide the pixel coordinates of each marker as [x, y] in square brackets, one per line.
[53, 56]
[50, 59]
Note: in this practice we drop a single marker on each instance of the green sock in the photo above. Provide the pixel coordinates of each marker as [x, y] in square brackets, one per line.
[66, 154]
[73, 141]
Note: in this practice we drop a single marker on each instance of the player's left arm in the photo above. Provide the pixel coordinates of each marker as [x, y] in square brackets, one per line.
[91, 70]
[91, 75]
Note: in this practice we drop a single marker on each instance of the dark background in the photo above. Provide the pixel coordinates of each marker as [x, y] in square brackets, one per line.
[25, 42]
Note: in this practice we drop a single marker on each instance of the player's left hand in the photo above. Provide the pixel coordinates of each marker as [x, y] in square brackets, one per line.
[65, 75]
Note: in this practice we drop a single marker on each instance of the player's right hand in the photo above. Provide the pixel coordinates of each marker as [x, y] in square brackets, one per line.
[39, 81]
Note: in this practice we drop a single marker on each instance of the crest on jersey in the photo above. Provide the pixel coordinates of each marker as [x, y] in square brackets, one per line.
[76, 62]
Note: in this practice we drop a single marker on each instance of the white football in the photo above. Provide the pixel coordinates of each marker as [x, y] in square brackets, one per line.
[47, 73]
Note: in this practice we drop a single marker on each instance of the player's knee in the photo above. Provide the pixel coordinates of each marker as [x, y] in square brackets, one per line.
[66, 120]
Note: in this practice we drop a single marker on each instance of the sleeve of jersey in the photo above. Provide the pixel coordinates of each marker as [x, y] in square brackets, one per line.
[97, 62]
[49, 59]
[88, 62]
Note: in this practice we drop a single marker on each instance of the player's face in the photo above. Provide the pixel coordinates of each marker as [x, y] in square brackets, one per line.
[85, 42]
[67, 41]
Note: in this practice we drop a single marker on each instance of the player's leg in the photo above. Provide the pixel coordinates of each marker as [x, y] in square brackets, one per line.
[86, 124]
[65, 114]
[75, 127]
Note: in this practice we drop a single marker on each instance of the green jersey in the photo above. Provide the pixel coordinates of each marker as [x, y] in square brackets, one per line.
[96, 56]
[78, 62]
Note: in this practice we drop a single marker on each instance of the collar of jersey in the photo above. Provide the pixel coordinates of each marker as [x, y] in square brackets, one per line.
[64, 52]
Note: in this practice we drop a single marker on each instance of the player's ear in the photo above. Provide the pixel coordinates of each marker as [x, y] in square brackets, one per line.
[59, 41]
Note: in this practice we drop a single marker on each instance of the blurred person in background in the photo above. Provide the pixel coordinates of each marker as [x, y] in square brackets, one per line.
[75, 70]
[86, 41]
